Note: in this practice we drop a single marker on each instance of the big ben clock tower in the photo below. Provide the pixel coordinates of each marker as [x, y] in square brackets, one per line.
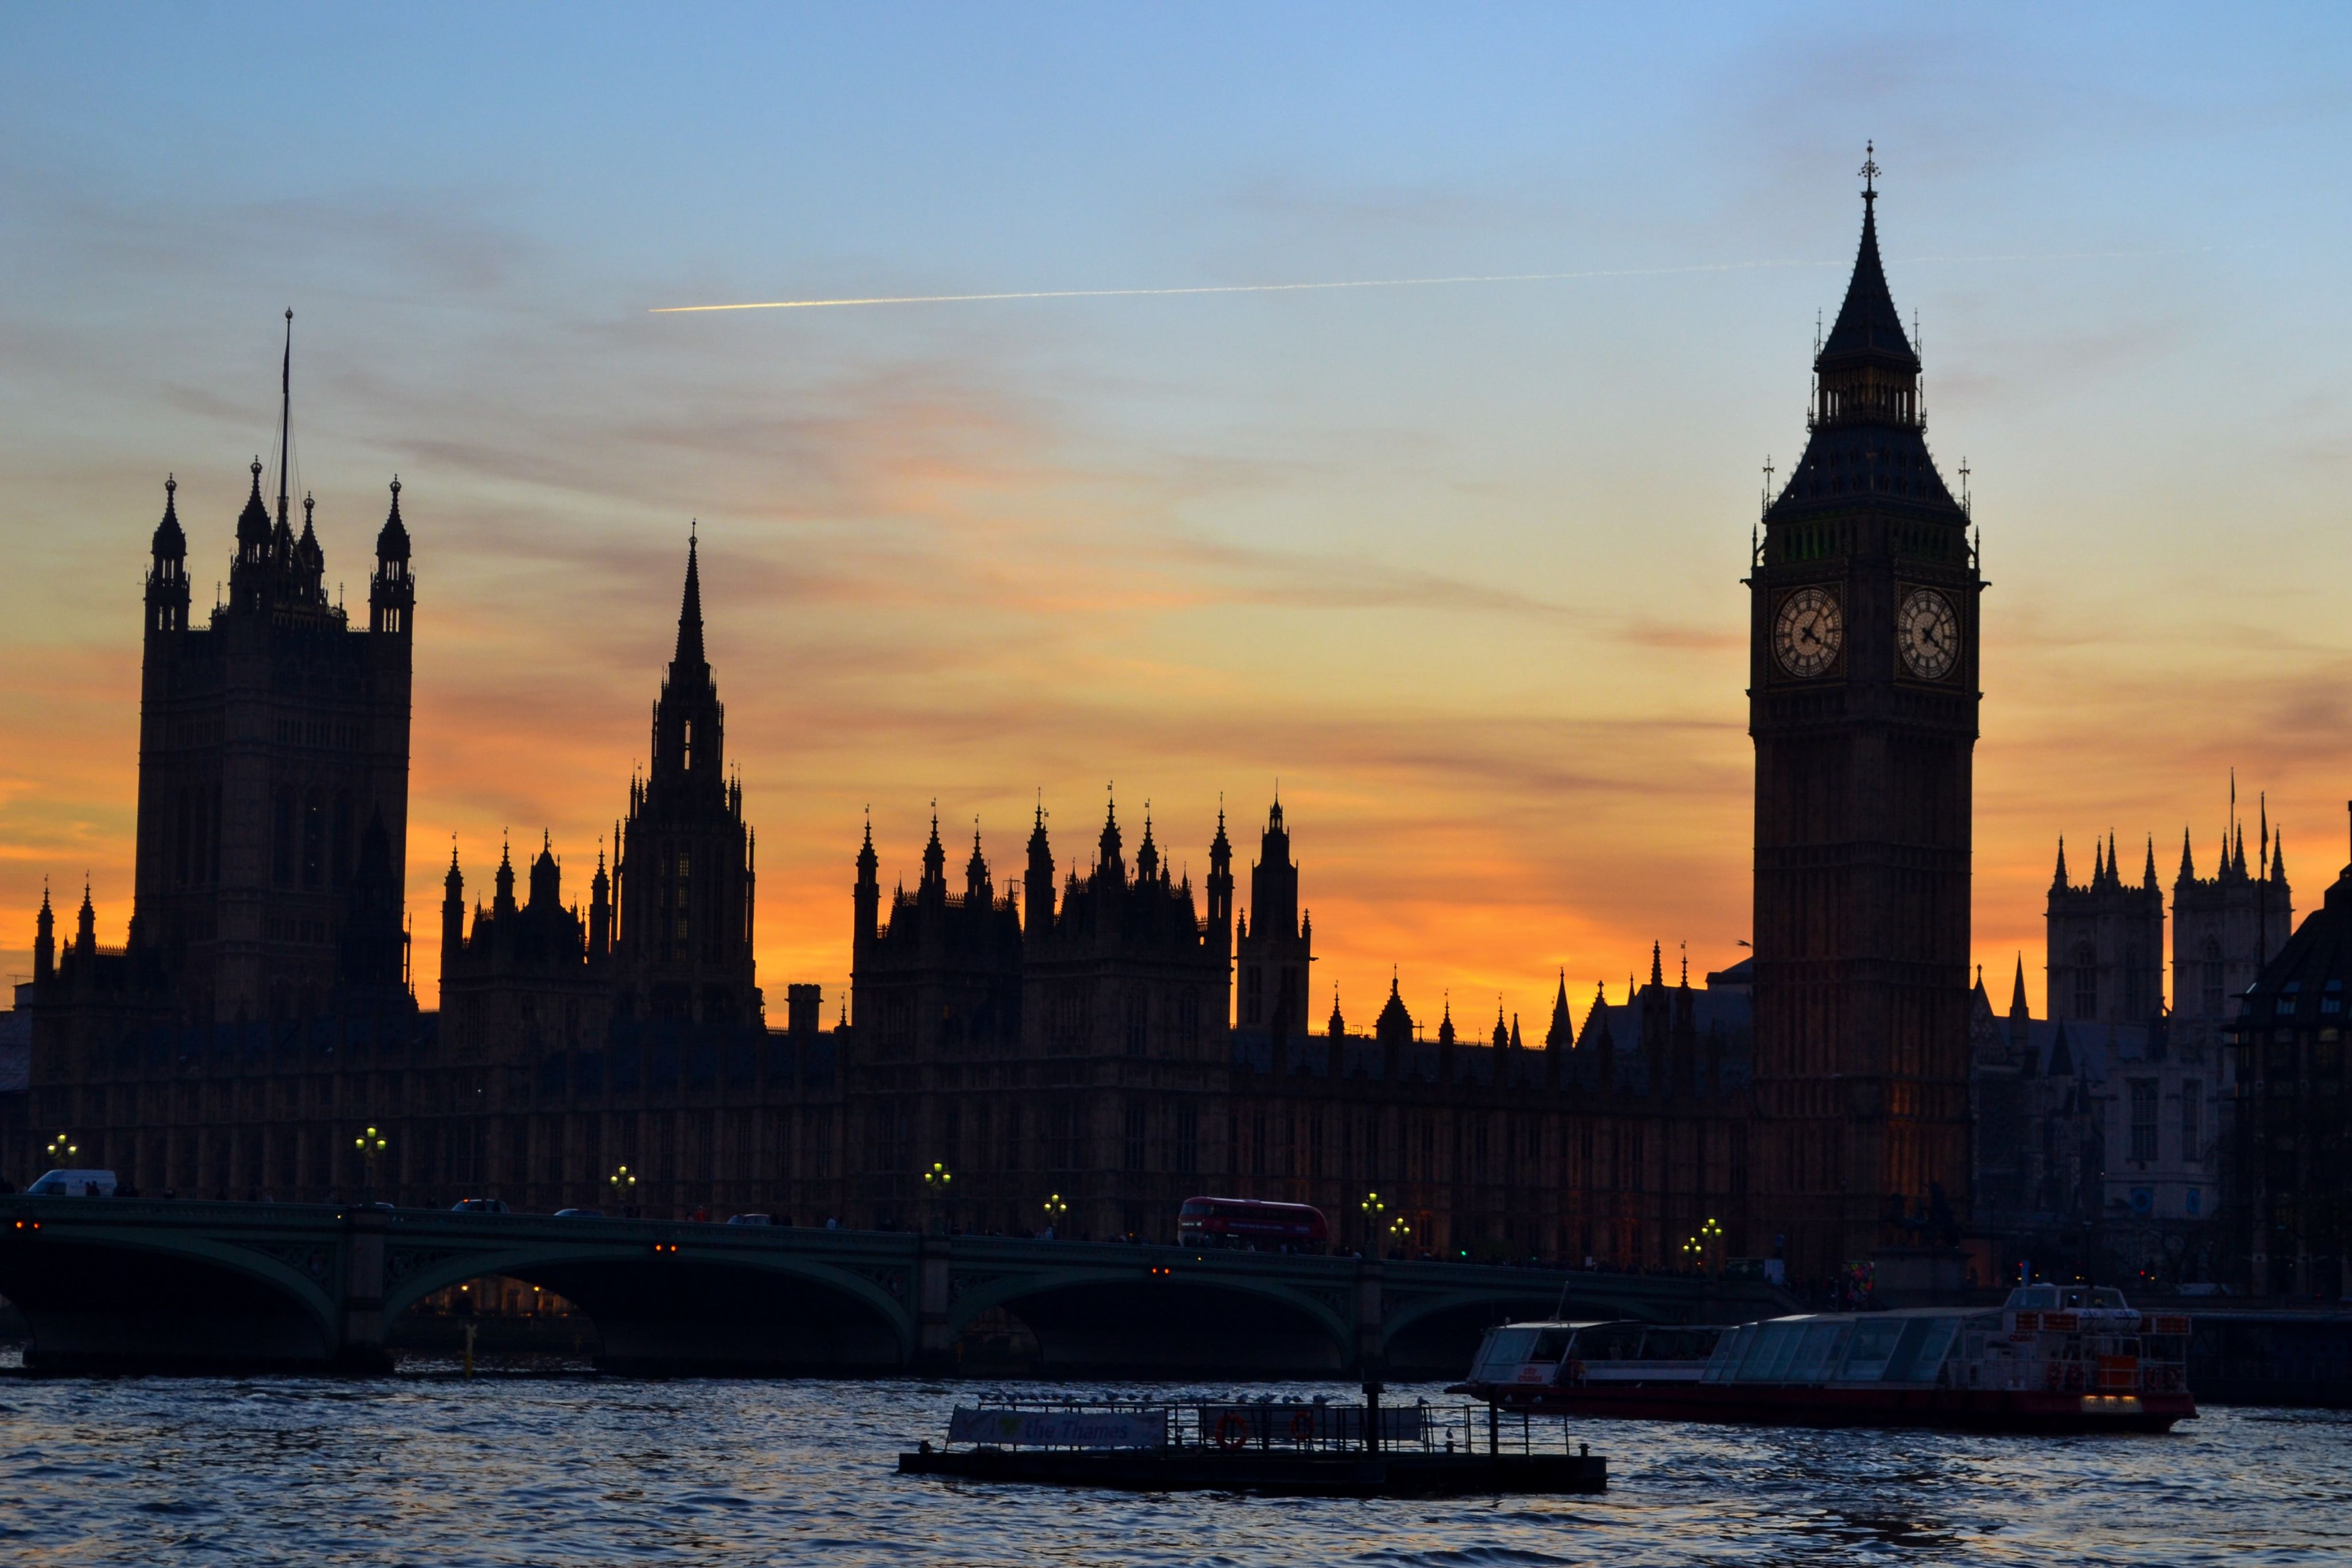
[1863, 705]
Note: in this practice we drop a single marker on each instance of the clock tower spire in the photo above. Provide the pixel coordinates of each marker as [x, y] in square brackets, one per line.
[1862, 705]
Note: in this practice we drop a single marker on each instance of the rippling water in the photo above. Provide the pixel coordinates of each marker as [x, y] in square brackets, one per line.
[429, 1467]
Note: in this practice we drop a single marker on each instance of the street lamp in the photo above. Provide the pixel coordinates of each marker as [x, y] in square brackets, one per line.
[935, 1181]
[623, 1185]
[370, 1145]
[1399, 1234]
[62, 1149]
[1710, 1241]
[1373, 1208]
[1054, 1209]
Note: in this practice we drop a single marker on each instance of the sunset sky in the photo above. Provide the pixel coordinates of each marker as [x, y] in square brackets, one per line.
[1457, 563]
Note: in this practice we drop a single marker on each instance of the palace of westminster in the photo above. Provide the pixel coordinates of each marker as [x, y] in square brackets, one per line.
[1084, 1039]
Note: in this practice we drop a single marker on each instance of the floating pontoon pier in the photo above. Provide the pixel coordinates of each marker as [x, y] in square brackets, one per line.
[1292, 1448]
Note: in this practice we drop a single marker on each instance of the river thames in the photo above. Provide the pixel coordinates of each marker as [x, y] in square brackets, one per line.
[425, 1466]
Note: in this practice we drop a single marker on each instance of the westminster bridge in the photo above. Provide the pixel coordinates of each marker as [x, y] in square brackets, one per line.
[127, 1283]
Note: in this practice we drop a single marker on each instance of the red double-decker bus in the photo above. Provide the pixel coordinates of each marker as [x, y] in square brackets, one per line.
[1248, 1222]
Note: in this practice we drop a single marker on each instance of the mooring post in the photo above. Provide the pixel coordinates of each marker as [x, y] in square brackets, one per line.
[1371, 1418]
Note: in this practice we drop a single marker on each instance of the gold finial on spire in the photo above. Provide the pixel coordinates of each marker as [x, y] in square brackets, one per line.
[1870, 171]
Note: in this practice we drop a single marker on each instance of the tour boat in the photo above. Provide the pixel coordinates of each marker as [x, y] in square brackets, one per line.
[2052, 1358]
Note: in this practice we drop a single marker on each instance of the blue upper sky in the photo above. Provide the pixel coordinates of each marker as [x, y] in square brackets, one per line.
[1464, 558]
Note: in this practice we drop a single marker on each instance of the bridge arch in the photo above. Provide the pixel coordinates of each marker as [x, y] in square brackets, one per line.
[1435, 1334]
[1098, 1321]
[125, 1298]
[696, 1309]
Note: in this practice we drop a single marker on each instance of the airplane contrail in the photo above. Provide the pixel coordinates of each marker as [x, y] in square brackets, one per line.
[1352, 283]
[1229, 288]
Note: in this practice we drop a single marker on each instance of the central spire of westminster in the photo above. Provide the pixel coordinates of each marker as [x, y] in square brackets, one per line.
[689, 656]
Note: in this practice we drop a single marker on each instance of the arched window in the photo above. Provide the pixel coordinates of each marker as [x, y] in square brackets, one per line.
[1138, 1015]
[2212, 977]
[2086, 982]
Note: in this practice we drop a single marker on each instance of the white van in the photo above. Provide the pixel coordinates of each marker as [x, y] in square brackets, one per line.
[73, 1184]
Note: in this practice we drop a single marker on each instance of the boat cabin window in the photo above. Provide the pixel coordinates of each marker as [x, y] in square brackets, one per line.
[1817, 1360]
[1679, 1345]
[1921, 1352]
[1609, 1342]
[1551, 1344]
[1723, 1365]
[2033, 1298]
[1506, 1349]
[1873, 1343]
[1774, 1346]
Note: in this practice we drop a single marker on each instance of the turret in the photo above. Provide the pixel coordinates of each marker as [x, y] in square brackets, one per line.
[167, 571]
[1146, 855]
[546, 876]
[1600, 1040]
[1657, 1021]
[1684, 1037]
[1110, 864]
[391, 593]
[453, 916]
[600, 912]
[309, 561]
[866, 900]
[503, 902]
[1038, 887]
[935, 863]
[1221, 890]
[85, 928]
[1392, 1030]
[1338, 1027]
[976, 889]
[45, 939]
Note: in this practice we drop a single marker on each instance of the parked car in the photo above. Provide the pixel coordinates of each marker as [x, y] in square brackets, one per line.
[751, 1219]
[478, 1205]
[579, 1214]
[73, 1184]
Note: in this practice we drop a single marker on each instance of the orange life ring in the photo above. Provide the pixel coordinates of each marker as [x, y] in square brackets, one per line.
[1232, 1431]
[1302, 1427]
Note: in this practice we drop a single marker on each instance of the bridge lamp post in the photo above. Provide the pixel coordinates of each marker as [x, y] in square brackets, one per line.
[62, 1150]
[1399, 1234]
[623, 1185]
[1373, 1208]
[936, 1182]
[1710, 1243]
[371, 1145]
[1056, 1209]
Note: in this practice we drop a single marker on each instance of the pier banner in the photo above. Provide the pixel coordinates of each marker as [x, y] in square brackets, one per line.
[1060, 1428]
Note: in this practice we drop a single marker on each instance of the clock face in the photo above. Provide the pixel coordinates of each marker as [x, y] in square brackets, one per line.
[1808, 633]
[1928, 633]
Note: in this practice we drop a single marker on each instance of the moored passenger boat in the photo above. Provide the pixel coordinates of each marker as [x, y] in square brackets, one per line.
[2050, 1359]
